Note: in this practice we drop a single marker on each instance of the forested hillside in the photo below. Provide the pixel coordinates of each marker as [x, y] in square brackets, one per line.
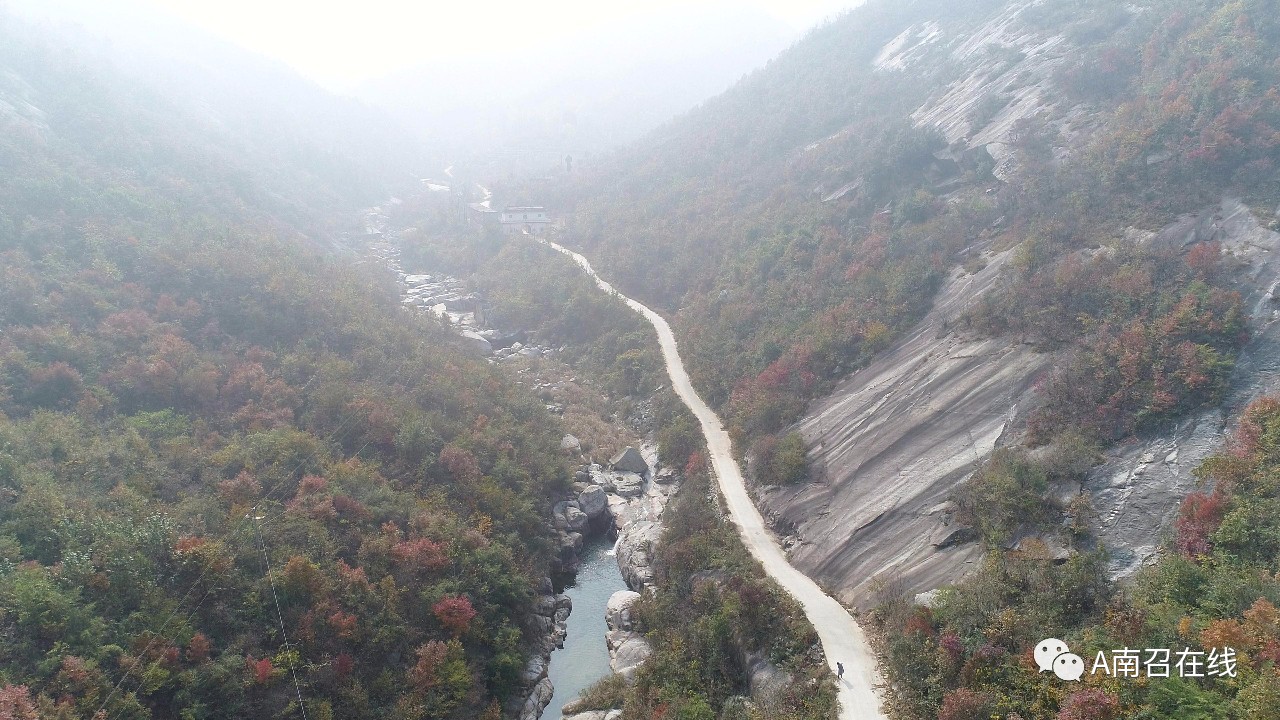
[805, 218]
[803, 223]
[235, 475]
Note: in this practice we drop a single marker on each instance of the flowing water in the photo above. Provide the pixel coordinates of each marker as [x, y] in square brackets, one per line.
[585, 659]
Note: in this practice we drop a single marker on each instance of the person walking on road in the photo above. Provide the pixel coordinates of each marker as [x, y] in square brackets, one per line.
[839, 671]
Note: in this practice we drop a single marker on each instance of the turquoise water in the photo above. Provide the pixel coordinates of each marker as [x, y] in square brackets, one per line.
[585, 659]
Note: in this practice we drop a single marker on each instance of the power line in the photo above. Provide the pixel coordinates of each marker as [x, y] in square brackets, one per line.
[342, 428]
[284, 634]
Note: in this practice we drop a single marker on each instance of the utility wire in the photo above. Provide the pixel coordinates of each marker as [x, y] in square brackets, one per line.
[342, 428]
[284, 634]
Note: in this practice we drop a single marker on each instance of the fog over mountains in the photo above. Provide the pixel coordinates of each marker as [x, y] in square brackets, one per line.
[600, 91]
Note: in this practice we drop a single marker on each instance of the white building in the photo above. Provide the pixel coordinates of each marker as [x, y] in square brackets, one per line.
[533, 220]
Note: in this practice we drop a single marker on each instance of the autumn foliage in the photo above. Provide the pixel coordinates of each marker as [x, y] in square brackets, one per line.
[454, 613]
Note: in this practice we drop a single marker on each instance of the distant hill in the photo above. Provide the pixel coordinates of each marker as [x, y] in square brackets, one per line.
[301, 142]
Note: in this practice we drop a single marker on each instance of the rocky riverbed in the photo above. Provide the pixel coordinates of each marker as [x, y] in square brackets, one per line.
[622, 499]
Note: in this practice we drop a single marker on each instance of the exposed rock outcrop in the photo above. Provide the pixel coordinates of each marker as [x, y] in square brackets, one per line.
[627, 648]
[895, 438]
[549, 628]
[890, 445]
[1138, 489]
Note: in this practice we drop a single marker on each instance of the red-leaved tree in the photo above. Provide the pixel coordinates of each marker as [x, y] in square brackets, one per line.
[454, 612]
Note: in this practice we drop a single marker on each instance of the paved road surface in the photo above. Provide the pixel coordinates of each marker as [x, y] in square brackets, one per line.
[842, 638]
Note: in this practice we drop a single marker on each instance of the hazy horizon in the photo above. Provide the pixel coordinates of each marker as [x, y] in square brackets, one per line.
[342, 45]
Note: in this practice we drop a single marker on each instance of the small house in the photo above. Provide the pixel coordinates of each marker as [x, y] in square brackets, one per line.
[532, 220]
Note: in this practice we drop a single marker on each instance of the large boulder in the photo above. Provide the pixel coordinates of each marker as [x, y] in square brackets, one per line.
[765, 681]
[627, 648]
[627, 651]
[617, 613]
[593, 501]
[627, 484]
[537, 701]
[475, 342]
[629, 460]
[571, 445]
[575, 519]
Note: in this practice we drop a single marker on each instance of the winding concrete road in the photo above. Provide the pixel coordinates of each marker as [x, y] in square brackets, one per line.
[842, 639]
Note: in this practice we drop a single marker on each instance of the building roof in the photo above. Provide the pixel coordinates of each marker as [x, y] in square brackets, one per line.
[531, 208]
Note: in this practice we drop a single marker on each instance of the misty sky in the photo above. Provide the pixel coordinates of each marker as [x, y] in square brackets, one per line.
[339, 43]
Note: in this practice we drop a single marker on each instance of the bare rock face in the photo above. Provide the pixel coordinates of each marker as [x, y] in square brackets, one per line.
[897, 437]
[890, 445]
[1014, 90]
[1136, 492]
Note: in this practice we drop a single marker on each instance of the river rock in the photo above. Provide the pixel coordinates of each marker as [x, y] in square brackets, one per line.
[589, 715]
[538, 700]
[572, 541]
[629, 460]
[575, 519]
[617, 613]
[627, 652]
[628, 484]
[545, 605]
[593, 501]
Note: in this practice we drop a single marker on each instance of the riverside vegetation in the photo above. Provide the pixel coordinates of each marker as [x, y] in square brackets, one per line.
[713, 607]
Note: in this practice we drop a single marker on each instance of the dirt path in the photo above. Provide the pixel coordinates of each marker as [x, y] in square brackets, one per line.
[842, 638]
